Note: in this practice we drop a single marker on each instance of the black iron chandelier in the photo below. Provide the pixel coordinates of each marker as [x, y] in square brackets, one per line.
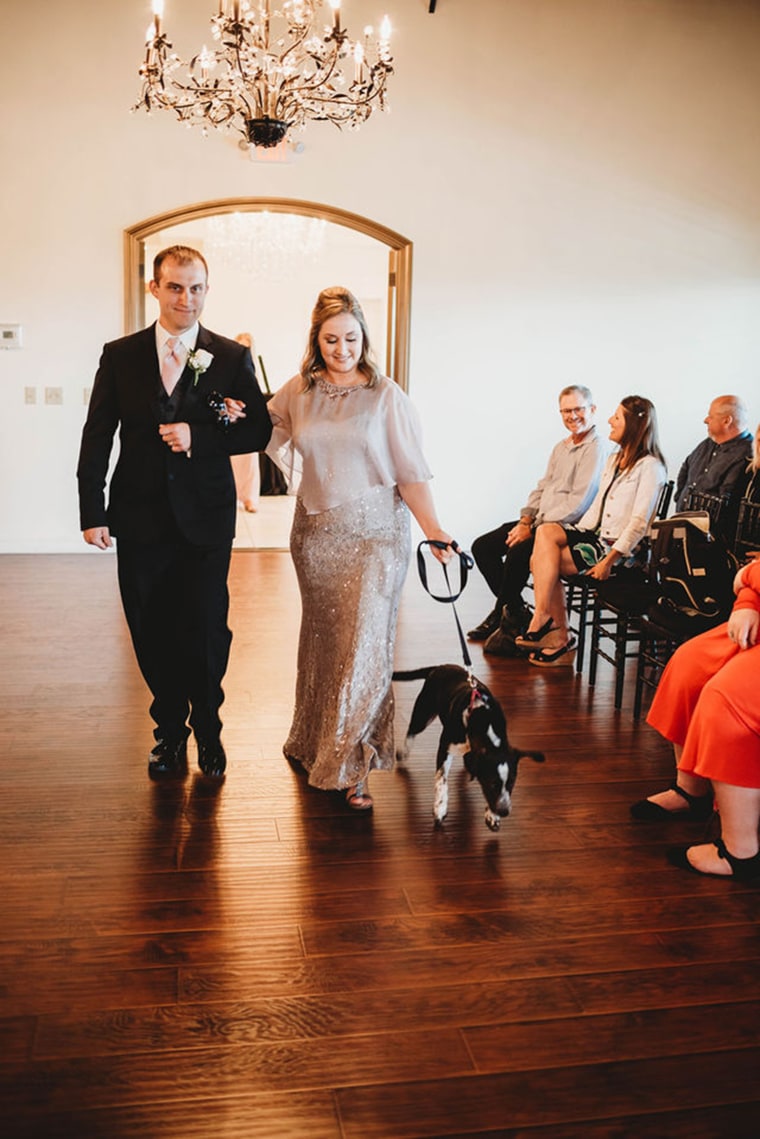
[274, 66]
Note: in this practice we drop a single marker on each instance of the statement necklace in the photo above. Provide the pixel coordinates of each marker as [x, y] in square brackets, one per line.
[338, 391]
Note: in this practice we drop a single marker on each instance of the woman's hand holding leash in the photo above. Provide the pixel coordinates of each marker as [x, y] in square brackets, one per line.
[446, 547]
[442, 546]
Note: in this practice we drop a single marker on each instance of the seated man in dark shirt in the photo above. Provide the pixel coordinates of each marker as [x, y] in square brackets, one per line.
[718, 467]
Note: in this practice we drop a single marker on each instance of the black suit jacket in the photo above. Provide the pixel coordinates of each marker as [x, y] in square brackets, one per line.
[151, 486]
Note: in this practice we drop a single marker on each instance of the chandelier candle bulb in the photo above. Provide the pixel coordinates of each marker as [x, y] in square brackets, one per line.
[268, 80]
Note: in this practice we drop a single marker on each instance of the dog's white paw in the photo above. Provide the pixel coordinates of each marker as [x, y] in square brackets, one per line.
[441, 806]
[441, 794]
[493, 822]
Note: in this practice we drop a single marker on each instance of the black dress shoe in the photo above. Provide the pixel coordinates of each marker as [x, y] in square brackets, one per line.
[211, 758]
[168, 758]
[487, 626]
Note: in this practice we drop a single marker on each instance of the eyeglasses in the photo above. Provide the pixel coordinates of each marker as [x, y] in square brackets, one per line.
[573, 410]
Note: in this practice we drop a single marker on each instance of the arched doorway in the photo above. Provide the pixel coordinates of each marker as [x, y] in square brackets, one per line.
[393, 354]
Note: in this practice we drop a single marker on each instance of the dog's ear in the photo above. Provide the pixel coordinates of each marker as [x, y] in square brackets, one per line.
[471, 764]
[536, 756]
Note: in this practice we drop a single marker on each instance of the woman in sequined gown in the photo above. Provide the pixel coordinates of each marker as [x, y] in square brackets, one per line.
[348, 440]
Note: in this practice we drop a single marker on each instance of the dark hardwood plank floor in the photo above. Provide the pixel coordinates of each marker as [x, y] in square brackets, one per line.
[255, 962]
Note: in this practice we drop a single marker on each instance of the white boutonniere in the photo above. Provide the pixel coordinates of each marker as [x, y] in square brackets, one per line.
[199, 360]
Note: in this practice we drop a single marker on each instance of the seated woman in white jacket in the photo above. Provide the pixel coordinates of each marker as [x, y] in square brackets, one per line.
[607, 535]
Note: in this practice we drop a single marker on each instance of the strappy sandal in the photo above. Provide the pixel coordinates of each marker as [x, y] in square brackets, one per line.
[533, 640]
[553, 658]
[699, 807]
[742, 869]
[358, 799]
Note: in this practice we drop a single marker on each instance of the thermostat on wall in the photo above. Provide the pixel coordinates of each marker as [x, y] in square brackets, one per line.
[10, 335]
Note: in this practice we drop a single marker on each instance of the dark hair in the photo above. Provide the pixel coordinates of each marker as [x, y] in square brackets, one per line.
[640, 436]
[332, 302]
[182, 254]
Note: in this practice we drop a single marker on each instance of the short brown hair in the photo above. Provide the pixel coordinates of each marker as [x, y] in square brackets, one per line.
[182, 254]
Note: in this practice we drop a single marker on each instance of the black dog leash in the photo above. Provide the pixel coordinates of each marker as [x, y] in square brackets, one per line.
[465, 565]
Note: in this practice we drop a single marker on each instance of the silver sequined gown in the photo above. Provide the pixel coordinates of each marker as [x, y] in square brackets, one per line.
[344, 451]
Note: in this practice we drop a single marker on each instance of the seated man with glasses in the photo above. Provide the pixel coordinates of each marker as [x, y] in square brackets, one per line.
[562, 495]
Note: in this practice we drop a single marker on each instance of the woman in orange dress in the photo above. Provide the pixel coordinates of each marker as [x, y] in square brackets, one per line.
[707, 704]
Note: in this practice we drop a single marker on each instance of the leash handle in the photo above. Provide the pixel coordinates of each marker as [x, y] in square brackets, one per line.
[465, 565]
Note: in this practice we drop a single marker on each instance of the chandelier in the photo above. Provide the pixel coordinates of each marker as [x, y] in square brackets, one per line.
[271, 69]
[266, 246]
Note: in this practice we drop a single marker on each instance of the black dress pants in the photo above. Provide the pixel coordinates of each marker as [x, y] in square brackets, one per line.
[176, 601]
[505, 568]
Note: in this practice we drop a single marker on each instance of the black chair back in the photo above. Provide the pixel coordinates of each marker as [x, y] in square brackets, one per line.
[747, 541]
[716, 506]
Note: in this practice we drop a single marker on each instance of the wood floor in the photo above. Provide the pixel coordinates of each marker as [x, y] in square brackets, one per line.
[257, 963]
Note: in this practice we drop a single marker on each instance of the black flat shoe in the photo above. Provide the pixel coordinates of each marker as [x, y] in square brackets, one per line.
[168, 759]
[211, 758]
[487, 626]
[699, 807]
[742, 869]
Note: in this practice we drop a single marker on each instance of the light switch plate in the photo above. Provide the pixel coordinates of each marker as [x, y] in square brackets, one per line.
[10, 335]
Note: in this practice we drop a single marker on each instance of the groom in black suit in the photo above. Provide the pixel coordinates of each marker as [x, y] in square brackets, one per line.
[172, 500]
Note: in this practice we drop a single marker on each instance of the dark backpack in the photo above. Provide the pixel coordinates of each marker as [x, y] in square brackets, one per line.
[693, 573]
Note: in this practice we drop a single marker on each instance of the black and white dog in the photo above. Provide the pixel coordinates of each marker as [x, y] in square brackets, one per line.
[474, 727]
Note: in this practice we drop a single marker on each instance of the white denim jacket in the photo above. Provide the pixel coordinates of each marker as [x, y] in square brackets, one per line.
[630, 503]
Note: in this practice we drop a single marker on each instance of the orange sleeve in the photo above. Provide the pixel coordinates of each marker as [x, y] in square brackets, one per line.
[749, 595]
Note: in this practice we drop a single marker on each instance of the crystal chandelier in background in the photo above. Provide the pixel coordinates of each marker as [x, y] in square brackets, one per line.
[272, 68]
[266, 246]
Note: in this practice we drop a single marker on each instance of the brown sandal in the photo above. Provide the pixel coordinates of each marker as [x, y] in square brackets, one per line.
[358, 799]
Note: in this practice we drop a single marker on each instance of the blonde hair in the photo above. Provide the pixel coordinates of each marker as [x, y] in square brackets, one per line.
[332, 302]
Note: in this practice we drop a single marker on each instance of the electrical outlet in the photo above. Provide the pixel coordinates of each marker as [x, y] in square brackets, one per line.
[30, 395]
[53, 395]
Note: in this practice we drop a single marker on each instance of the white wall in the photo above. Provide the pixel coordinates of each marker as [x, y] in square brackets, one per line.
[580, 178]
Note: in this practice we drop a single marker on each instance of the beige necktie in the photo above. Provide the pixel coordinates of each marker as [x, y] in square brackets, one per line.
[173, 363]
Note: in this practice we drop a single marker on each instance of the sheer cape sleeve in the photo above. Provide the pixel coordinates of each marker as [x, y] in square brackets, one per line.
[335, 443]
